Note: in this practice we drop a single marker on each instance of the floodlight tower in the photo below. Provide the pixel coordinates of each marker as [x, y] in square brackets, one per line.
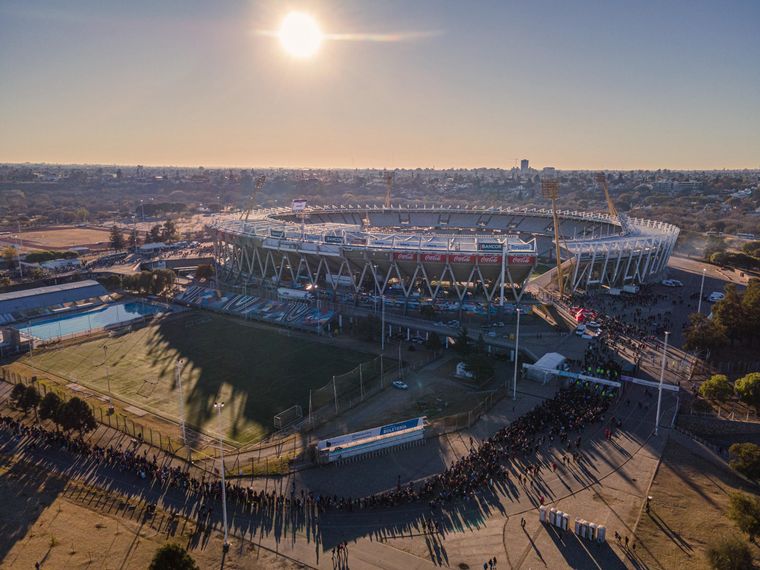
[388, 188]
[252, 201]
[550, 190]
[601, 180]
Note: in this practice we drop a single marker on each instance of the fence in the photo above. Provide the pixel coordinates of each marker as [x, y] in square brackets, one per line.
[118, 421]
[463, 420]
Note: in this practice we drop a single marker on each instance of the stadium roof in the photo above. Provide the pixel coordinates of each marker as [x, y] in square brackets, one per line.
[38, 297]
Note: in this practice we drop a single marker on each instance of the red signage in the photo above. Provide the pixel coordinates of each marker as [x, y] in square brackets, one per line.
[401, 256]
[459, 258]
[489, 259]
[521, 259]
[432, 257]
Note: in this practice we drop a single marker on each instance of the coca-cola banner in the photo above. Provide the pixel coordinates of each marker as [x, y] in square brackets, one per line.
[404, 256]
[489, 259]
[432, 258]
[521, 259]
[461, 258]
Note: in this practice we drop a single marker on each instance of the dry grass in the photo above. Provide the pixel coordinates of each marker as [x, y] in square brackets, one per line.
[690, 498]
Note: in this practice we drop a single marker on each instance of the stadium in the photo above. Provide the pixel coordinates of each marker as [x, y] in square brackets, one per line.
[437, 252]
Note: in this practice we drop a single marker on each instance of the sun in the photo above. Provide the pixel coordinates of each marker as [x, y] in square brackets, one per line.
[300, 35]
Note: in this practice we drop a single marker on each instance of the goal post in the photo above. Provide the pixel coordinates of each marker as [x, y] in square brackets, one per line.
[287, 417]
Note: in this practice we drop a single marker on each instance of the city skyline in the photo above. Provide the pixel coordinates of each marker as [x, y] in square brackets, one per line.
[590, 86]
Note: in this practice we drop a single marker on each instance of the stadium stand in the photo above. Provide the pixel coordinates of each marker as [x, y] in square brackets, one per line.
[29, 303]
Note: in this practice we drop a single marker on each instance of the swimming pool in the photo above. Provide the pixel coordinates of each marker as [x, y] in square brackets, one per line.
[74, 324]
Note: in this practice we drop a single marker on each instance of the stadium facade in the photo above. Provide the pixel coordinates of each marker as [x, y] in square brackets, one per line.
[434, 251]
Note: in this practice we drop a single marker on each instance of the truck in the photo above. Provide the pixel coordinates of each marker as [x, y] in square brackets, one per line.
[287, 294]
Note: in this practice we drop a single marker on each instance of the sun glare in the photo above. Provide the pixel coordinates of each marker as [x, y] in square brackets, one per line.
[300, 35]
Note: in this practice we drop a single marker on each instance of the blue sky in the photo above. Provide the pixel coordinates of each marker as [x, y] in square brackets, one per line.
[614, 84]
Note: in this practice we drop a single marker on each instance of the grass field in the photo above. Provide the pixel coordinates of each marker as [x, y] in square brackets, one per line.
[257, 372]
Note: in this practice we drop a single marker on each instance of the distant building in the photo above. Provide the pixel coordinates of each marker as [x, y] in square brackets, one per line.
[549, 171]
[524, 165]
[687, 186]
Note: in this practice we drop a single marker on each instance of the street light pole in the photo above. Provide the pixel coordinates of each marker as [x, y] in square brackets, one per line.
[517, 357]
[178, 378]
[701, 290]
[219, 406]
[382, 325]
[662, 376]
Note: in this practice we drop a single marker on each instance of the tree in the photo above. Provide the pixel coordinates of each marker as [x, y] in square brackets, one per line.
[462, 343]
[169, 231]
[729, 553]
[134, 239]
[745, 512]
[77, 415]
[751, 306]
[204, 271]
[704, 334]
[434, 341]
[154, 235]
[172, 557]
[716, 388]
[748, 389]
[50, 408]
[745, 458]
[480, 366]
[9, 255]
[729, 313]
[25, 398]
[116, 239]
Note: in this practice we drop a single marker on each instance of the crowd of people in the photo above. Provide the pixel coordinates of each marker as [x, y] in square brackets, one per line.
[558, 420]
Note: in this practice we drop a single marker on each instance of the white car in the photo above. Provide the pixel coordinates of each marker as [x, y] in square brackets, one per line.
[715, 297]
[580, 330]
[672, 283]
[400, 385]
[593, 325]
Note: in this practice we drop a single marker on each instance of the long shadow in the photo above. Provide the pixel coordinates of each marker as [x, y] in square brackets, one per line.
[26, 490]
[581, 553]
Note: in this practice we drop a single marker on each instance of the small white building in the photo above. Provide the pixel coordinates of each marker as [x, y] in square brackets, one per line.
[541, 371]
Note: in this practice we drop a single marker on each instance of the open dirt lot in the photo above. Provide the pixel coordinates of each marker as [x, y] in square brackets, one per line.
[690, 498]
[63, 525]
[63, 238]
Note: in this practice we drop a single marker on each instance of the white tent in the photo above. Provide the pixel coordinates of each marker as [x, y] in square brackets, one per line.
[541, 370]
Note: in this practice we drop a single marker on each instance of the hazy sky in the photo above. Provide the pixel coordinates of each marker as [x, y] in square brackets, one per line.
[572, 84]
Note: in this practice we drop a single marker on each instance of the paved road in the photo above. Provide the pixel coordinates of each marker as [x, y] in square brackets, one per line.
[474, 529]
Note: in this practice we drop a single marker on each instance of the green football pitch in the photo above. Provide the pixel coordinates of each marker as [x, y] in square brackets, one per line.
[256, 371]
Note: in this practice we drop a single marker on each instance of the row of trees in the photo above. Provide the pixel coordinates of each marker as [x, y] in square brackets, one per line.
[474, 356]
[720, 388]
[166, 232]
[74, 415]
[735, 318]
[731, 552]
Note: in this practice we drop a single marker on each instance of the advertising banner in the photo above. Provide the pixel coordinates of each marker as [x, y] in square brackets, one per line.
[387, 429]
[277, 233]
[404, 256]
[521, 259]
[461, 258]
[433, 257]
[490, 246]
[489, 259]
[334, 239]
[298, 205]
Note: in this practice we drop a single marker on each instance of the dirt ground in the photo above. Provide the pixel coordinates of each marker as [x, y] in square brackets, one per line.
[63, 238]
[689, 501]
[63, 525]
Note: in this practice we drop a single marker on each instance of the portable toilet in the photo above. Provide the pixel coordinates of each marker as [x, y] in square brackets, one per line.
[552, 515]
[592, 531]
[565, 521]
[558, 519]
[542, 514]
[577, 526]
[601, 533]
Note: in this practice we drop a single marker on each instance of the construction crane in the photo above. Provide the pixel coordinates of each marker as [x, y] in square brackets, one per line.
[388, 188]
[550, 190]
[601, 180]
[258, 184]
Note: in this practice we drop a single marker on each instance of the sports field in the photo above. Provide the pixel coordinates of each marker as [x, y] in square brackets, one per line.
[256, 371]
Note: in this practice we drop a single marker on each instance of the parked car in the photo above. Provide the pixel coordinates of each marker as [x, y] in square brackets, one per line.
[716, 296]
[400, 385]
